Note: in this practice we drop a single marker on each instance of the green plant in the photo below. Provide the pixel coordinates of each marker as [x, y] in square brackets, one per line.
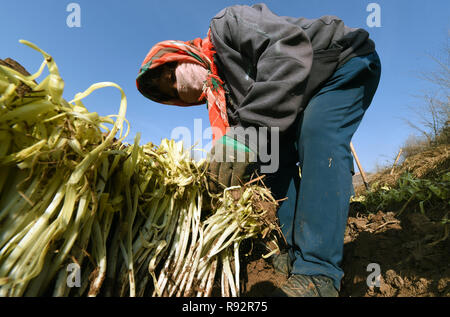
[409, 191]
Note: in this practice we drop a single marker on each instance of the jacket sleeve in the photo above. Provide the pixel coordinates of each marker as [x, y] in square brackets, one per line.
[281, 54]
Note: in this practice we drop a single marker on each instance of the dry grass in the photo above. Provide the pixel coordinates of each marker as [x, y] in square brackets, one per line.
[430, 163]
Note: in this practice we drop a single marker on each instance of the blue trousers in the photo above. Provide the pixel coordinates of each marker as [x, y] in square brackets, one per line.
[314, 216]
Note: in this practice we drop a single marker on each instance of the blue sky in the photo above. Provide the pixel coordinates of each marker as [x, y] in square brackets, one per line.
[115, 36]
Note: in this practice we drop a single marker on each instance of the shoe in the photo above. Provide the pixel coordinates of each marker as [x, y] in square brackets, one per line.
[299, 285]
[282, 263]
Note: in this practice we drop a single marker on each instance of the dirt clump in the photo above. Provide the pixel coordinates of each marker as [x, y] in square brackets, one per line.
[260, 278]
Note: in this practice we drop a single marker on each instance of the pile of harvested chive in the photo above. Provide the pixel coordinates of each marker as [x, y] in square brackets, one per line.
[129, 217]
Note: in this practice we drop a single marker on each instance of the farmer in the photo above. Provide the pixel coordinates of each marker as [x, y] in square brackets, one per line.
[308, 82]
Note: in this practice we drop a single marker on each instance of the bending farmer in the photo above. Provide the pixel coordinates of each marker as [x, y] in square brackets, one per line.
[301, 87]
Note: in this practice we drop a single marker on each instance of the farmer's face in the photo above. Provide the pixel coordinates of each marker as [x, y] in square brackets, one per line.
[167, 83]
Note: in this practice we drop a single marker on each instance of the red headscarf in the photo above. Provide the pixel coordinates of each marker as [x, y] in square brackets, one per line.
[199, 51]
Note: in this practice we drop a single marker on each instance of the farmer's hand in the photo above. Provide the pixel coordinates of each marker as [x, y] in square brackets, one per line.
[231, 164]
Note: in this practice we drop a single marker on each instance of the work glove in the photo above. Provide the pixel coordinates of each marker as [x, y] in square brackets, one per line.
[231, 163]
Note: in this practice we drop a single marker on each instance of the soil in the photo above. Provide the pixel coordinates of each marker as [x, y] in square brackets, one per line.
[412, 261]
[22, 89]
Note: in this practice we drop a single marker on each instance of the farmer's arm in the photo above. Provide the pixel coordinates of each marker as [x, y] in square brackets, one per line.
[281, 55]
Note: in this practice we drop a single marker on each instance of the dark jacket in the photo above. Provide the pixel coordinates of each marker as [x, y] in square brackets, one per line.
[273, 65]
